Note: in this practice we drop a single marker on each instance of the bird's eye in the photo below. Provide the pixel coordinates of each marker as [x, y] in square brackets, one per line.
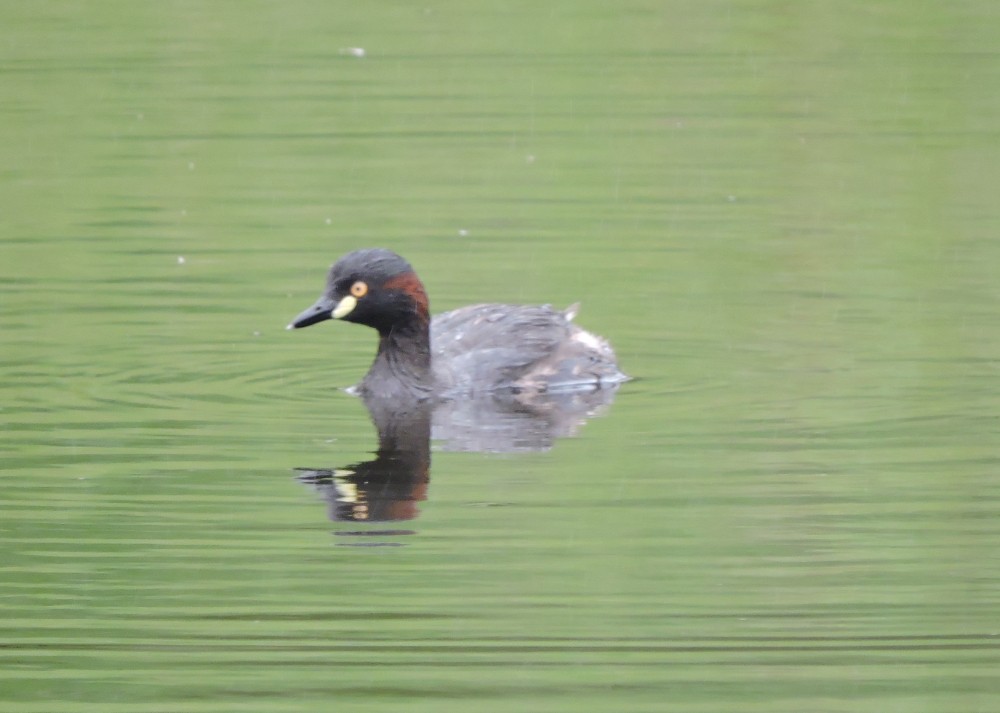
[359, 288]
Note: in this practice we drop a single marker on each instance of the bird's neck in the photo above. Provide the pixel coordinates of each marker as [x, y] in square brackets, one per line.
[402, 366]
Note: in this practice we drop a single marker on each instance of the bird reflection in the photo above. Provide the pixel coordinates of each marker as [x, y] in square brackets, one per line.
[389, 487]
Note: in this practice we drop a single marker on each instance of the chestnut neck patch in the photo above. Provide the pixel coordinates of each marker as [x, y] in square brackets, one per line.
[409, 284]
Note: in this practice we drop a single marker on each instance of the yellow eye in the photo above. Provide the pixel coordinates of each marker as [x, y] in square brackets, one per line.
[359, 289]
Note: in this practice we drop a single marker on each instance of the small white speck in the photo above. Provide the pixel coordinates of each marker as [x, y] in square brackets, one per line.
[256, 332]
[353, 51]
[181, 260]
[190, 165]
[588, 340]
[731, 199]
[530, 158]
[462, 232]
[329, 221]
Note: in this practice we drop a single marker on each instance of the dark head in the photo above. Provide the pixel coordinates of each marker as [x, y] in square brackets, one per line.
[374, 287]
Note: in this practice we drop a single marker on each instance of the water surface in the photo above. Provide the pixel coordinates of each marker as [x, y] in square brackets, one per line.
[783, 217]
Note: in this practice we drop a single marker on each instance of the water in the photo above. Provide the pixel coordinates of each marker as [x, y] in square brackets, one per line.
[783, 218]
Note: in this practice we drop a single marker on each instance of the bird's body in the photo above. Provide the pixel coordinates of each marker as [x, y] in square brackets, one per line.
[484, 348]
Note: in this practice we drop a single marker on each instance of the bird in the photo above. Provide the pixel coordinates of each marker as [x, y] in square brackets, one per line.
[470, 351]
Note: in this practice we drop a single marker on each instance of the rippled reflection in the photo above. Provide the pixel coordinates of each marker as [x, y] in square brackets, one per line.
[388, 487]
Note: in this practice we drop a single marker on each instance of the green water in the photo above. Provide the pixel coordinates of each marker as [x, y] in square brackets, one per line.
[783, 215]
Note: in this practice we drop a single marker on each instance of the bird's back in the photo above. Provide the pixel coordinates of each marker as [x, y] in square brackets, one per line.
[488, 347]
